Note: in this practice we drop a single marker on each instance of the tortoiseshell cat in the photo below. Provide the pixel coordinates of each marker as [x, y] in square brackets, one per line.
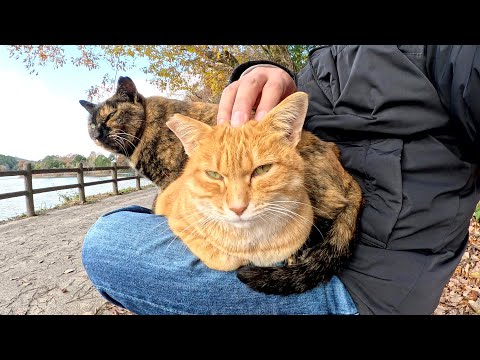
[136, 126]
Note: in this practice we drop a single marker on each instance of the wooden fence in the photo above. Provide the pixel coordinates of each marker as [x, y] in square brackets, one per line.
[81, 184]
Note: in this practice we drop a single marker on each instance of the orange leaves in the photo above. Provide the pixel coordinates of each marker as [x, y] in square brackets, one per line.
[194, 69]
[462, 293]
[42, 55]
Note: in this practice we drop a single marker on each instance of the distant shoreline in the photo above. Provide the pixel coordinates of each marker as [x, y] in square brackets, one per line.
[89, 173]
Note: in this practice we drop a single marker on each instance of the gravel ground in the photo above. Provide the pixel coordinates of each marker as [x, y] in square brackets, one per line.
[41, 270]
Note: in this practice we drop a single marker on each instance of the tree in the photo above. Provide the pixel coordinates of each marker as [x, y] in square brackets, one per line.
[299, 54]
[121, 160]
[77, 160]
[21, 164]
[91, 159]
[50, 162]
[9, 162]
[201, 71]
[102, 160]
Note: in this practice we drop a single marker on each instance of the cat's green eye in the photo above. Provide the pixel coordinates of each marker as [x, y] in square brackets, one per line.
[214, 175]
[92, 125]
[110, 115]
[261, 169]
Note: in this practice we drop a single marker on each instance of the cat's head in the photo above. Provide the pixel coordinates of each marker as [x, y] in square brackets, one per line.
[248, 174]
[116, 123]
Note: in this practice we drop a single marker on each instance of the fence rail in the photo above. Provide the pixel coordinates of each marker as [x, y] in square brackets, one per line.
[81, 184]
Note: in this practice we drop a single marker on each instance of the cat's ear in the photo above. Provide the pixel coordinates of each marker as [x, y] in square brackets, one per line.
[288, 116]
[126, 88]
[88, 106]
[188, 130]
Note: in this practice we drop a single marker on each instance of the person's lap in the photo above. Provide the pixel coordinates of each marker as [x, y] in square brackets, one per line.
[135, 261]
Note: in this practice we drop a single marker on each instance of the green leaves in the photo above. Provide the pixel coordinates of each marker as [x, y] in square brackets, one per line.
[476, 214]
[201, 71]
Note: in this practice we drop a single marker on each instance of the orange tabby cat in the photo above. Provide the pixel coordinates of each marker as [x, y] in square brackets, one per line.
[241, 198]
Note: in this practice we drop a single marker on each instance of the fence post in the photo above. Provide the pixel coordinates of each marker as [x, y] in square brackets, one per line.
[114, 178]
[81, 183]
[29, 190]
[137, 180]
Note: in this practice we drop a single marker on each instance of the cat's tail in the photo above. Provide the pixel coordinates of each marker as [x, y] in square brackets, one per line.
[318, 264]
[317, 267]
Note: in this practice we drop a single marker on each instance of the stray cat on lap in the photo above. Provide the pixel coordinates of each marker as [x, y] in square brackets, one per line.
[249, 199]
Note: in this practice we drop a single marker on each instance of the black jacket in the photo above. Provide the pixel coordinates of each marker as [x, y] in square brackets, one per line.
[407, 121]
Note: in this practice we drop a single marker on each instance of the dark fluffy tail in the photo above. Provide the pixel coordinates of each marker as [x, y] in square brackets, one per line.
[319, 265]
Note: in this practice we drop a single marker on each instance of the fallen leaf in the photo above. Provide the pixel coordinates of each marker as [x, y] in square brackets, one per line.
[455, 299]
[68, 271]
[475, 305]
[475, 275]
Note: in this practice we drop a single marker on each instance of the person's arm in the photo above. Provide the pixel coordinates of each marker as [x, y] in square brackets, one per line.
[244, 68]
[252, 86]
[454, 71]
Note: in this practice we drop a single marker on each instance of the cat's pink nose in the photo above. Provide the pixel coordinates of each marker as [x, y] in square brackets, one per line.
[239, 209]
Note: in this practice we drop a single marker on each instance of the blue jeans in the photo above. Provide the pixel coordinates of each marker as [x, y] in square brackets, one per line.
[136, 262]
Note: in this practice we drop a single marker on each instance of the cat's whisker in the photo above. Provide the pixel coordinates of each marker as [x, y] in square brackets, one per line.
[203, 225]
[157, 226]
[171, 242]
[194, 224]
[302, 203]
[125, 139]
[294, 201]
[117, 135]
[121, 132]
[118, 142]
[118, 138]
[290, 213]
[203, 222]
[298, 220]
[281, 209]
[272, 217]
[261, 217]
[176, 237]
[286, 210]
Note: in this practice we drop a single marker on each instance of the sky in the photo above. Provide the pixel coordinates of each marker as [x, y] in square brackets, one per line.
[40, 114]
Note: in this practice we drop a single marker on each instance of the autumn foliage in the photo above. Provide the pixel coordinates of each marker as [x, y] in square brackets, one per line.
[201, 71]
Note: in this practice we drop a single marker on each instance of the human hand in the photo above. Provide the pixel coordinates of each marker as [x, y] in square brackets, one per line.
[261, 89]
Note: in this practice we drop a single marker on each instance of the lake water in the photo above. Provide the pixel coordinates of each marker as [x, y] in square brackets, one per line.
[16, 206]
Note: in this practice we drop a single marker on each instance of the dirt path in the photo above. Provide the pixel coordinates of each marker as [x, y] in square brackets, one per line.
[41, 270]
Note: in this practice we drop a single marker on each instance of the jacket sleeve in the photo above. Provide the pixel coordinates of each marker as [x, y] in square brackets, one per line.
[237, 72]
[454, 71]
